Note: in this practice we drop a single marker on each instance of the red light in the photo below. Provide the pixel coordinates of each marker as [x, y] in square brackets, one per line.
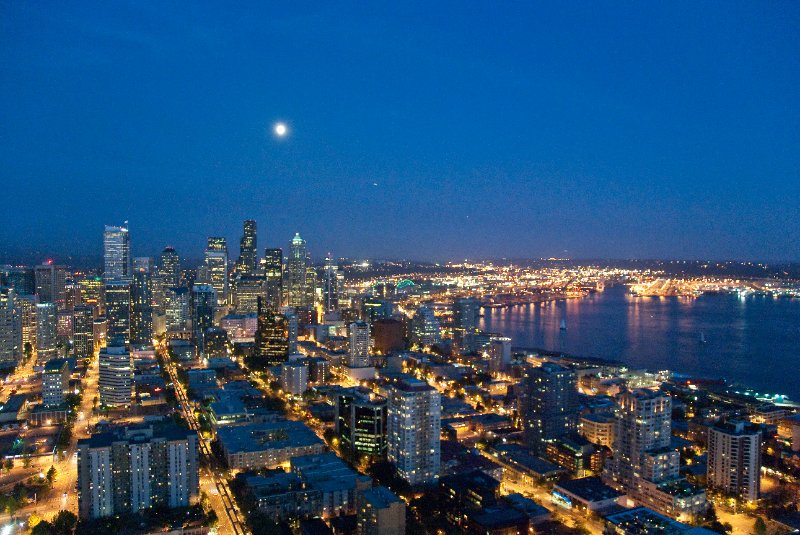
[49, 261]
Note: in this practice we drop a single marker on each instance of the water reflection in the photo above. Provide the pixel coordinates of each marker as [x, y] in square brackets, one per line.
[755, 341]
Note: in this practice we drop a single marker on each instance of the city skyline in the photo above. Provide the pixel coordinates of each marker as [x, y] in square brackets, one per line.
[604, 132]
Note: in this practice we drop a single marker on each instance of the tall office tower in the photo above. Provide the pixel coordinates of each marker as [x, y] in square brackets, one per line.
[50, 283]
[734, 459]
[136, 467]
[144, 263]
[425, 328]
[72, 295]
[272, 335]
[141, 307]
[413, 427]
[99, 333]
[361, 422]
[27, 307]
[118, 310]
[466, 312]
[11, 346]
[248, 255]
[46, 331]
[292, 330]
[311, 298]
[178, 310]
[272, 269]
[93, 292]
[330, 285]
[548, 405]
[296, 288]
[248, 290]
[117, 253]
[169, 267]
[83, 331]
[215, 268]
[499, 353]
[204, 301]
[641, 442]
[358, 356]
[55, 382]
[116, 374]
[22, 279]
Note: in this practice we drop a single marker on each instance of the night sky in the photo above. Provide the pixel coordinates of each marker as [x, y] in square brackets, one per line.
[587, 129]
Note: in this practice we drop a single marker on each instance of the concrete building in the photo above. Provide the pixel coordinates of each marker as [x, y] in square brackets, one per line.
[116, 375]
[499, 353]
[381, 512]
[598, 428]
[734, 459]
[51, 283]
[11, 346]
[425, 331]
[548, 405]
[413, 429]
[83, 331]
[294, 377]
[387, 336]
[267, 445]
[358, 355]
[137, 467]
[46, 331]
[55, 382]
[118, 310]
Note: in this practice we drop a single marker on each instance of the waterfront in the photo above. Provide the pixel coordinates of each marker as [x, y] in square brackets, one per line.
[753, 340]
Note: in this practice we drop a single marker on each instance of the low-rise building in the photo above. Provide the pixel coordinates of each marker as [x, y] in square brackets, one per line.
[381, 512]
[267, 445]
[589, 494]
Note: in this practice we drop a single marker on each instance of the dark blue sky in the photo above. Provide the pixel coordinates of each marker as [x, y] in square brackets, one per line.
[648, 129]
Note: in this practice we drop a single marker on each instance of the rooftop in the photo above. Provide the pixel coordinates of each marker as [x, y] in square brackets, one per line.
[590, 489]
[270, 435]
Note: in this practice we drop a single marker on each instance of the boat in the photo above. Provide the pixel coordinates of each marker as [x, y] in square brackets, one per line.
[702, 338]
[563, 325]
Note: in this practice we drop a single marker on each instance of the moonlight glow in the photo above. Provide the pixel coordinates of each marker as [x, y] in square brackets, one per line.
[280, 129]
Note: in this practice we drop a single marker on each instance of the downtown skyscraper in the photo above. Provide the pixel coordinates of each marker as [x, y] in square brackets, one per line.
[296, 273]
[117, 258]
[215, 267]
[548, 405]
[248, 255]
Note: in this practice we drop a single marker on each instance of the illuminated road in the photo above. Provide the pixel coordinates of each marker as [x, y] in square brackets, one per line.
[210, 481]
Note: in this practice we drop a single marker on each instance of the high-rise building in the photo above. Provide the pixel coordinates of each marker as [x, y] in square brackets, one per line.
[644, 465]
[93, 292]
[380, 512]
[734, 459]
[330, 285]
[294, 377]
[248, 257]
[272, 270]
[387, 336]
[117, 253]
[144, 263]
[169, 267]
[128, 469]
[374, 309]
[215, 267]
[116, 374]
[548, 405]
[248, 289]
[204, 301]
[413, 428]
[358, 356]
[425, 328]
[272, 335]
[178, 310]
[27, 306]
[72, 295]
[55, 382]
[296, 272]
[21, 279]
[312, 297]
[51, 283]
[46, 331]
[499, 353]
[466, 312]
[141, 307]
[215, 342]
[83, 331]
[11, 346]
[361, 422]
[118, 310]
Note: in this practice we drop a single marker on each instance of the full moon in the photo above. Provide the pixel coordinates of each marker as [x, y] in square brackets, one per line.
[280, 129]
